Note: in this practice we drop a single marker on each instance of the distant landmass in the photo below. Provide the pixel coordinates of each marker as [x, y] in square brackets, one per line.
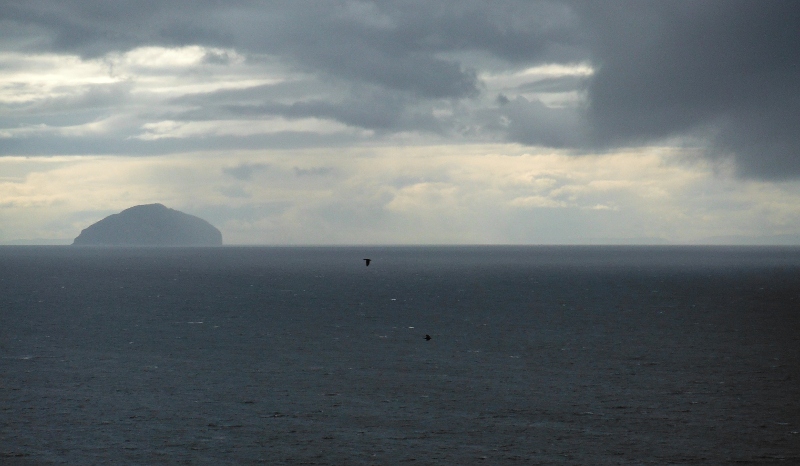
[150, 225]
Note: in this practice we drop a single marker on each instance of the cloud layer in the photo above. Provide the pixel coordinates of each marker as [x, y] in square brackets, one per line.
[405, 121]
[722, 74]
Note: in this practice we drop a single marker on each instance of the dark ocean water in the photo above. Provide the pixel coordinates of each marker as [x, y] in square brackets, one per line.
[539, 355]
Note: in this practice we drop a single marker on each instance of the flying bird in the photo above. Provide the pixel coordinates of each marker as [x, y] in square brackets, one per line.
[427, 337]
[367, 261]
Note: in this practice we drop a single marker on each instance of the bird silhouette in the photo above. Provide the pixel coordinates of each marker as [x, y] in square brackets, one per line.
[427, 337]
[367, 261]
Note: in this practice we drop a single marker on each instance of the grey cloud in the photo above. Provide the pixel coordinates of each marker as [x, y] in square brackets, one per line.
[245, 171]
[92, 28]
[313, 36]
[249, 95]
[315, 171]
[87, 27]
[374, 59]
[82, 98]
[403, 51]
[393, 44]
[389, 56]
[729, 70]
[371, 108]
[371, 113]
[365, 114]
[518, 31]
[56, 144]
[558, 84]
[531, 122]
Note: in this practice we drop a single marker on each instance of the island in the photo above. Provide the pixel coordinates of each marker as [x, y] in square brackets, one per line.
[150, 225]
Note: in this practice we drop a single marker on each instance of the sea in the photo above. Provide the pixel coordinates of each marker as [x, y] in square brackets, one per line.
[574, 355]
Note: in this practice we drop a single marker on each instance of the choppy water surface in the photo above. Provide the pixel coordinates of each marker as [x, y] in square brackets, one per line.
[539, 355]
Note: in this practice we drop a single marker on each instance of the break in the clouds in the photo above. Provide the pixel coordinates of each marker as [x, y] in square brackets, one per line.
[408, 195]
[718, 78]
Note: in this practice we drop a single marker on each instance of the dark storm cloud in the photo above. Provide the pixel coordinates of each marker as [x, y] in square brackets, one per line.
[729, 70]
[726, 71]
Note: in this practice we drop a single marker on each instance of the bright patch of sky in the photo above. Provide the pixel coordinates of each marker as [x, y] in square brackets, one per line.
[465, 194]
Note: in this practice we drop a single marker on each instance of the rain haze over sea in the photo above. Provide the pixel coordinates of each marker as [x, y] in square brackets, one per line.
[302, 355]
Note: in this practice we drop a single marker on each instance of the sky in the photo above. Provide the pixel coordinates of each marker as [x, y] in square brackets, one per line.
[405, 122]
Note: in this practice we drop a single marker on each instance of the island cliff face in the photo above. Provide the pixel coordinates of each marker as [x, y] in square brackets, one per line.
[150, 225]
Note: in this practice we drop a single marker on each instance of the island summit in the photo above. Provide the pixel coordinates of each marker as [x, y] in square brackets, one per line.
[150, 225]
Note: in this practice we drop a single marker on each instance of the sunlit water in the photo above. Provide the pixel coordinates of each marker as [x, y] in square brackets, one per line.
[538, 355]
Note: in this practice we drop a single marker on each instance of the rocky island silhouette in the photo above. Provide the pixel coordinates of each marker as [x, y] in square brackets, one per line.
[150, 225]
